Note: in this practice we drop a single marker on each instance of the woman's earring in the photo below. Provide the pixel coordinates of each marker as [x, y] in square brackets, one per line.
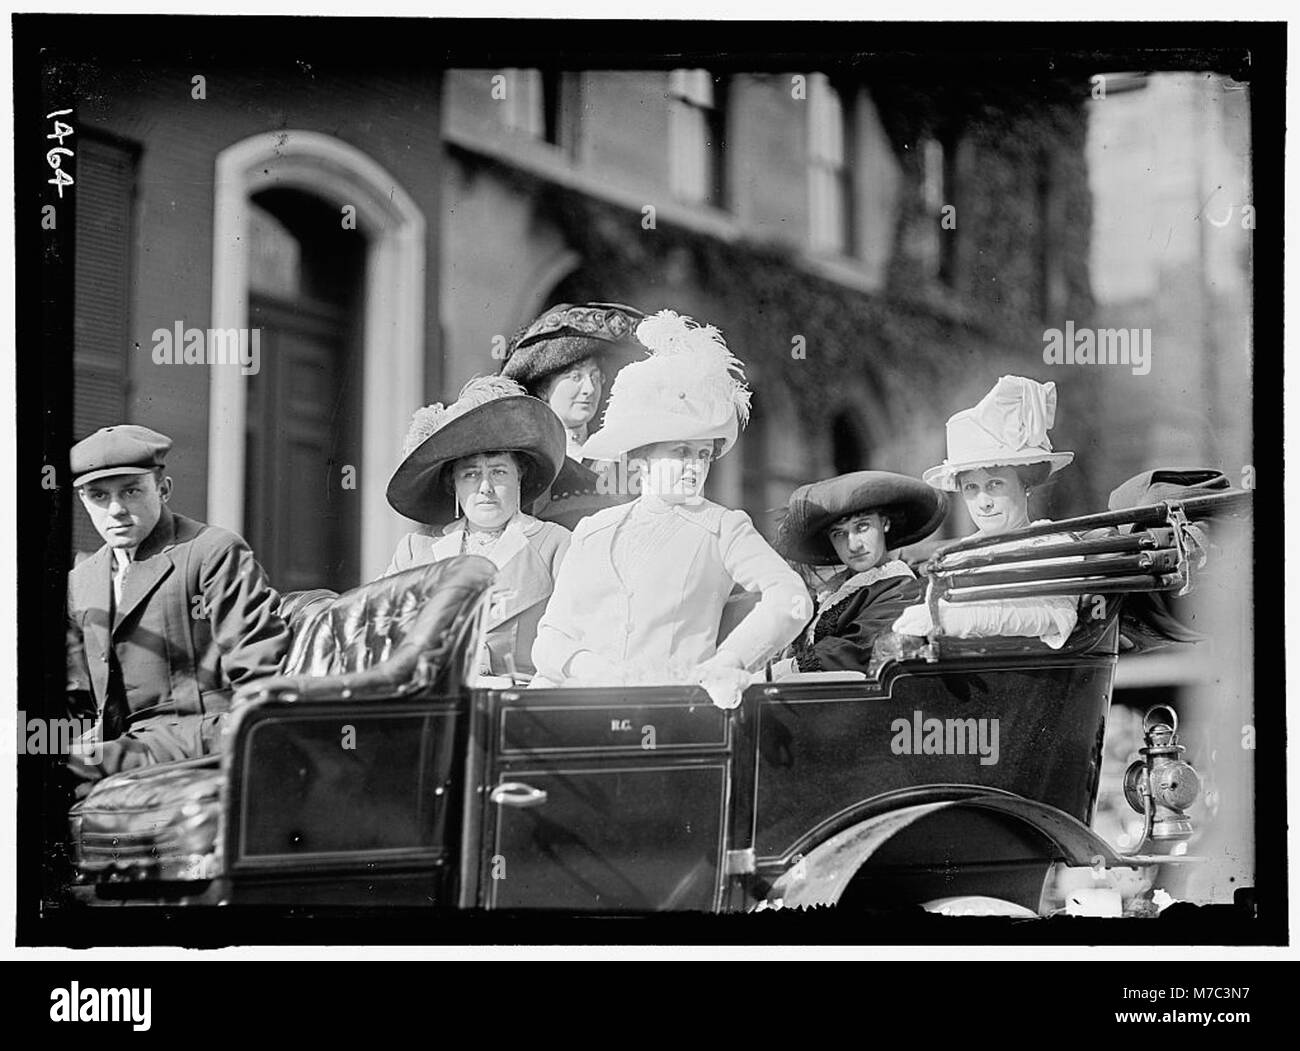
[456, 499]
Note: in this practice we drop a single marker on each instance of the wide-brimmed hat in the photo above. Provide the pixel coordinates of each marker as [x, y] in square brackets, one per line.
[1008, 428]
[491, 414]
[565, 334]
[914, 510]
[1151, 487]
[691, 387]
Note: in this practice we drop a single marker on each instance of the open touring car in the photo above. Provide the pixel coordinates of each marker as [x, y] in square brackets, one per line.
[380, 771]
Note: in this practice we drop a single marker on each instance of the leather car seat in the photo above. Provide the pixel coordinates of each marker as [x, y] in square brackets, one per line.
[398, 635]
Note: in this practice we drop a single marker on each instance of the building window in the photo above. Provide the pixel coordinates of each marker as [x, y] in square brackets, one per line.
[544, 104]
[522, 111]
[697, 137]
[924, 237]
[938, 242]
[1052, 233]
[830, 168]
[932, 174]
[274, 255]
[848, 450]
[562, 109]
[101, 302]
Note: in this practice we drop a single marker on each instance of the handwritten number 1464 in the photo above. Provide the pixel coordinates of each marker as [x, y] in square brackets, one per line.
[54, 158]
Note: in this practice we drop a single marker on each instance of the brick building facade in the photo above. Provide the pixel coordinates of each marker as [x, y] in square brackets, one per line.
[877, 253]
[295, 200]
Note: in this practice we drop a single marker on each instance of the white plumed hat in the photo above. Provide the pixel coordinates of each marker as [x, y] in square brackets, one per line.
[691, 387]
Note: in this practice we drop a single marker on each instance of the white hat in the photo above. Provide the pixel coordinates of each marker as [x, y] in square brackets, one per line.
[1008, 428]
[691, 387]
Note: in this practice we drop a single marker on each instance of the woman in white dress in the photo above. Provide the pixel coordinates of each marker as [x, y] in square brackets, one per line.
[640, 597]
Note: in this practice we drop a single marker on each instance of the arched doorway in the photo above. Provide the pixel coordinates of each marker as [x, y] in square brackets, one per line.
[259, 177]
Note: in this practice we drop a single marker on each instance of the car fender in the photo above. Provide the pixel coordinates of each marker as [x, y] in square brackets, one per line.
[820, 876]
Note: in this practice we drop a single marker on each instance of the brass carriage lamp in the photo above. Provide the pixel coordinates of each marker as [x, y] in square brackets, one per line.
[1162, 785]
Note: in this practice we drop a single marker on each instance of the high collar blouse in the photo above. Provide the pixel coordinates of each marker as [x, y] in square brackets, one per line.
[528, 556]
[644, 586]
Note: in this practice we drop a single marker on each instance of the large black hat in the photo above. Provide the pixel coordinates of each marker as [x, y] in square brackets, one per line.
[915, 511]
[565, 334]
[491, 414]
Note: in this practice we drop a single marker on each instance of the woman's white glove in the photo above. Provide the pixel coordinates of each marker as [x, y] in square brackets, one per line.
[783, 668]
[589, 666]
[915, 620]
[724, 677]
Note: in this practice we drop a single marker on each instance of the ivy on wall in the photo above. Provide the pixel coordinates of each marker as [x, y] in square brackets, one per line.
[917, 345]
[768, 297]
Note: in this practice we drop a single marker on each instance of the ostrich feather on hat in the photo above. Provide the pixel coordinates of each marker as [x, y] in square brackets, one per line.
[690, 387]
[491, 414]
[478, 391]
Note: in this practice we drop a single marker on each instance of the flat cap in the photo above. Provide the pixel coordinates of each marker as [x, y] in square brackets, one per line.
[125, 448]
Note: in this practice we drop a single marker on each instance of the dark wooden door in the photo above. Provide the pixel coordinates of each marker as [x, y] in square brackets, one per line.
[302, 510]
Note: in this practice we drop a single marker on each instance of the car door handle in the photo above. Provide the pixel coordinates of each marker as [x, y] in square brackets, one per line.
[516, 793]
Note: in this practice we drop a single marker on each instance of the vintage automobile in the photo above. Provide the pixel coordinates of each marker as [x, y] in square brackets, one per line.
[380, 771]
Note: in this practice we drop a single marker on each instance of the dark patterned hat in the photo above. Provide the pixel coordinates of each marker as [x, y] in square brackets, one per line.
[566, 334]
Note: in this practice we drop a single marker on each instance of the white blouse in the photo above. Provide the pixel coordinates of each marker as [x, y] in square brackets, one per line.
[643, 588]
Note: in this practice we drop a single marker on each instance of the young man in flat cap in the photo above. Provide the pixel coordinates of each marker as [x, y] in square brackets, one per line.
[166, 618]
